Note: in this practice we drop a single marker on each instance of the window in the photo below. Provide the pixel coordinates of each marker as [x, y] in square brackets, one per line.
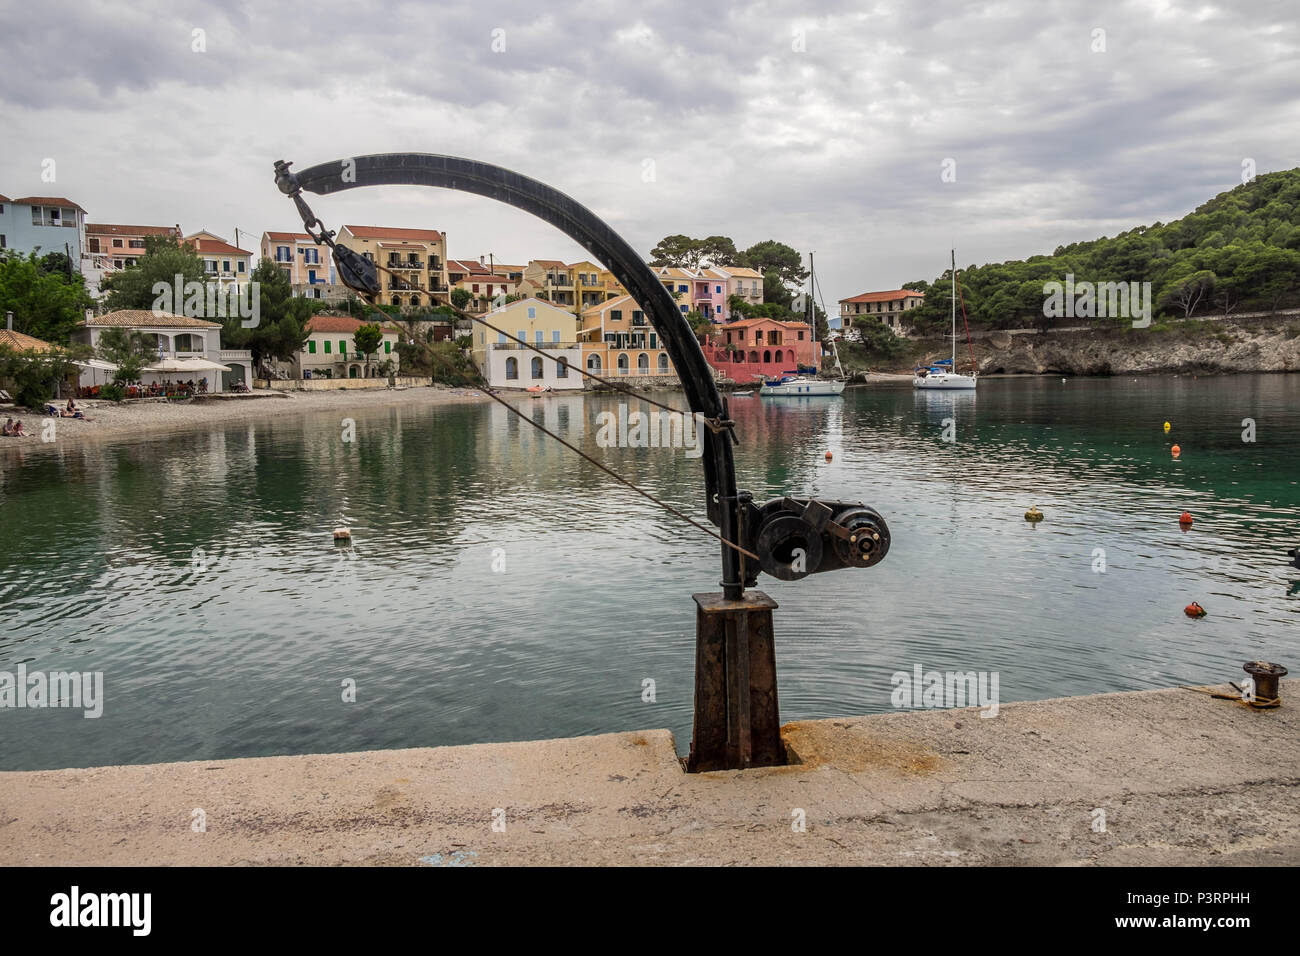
[476, 292]
[210, 266]
[512, 368]
[225, 265]
[653, 340]
[537, 336]
[532, 312]
[616, 315]
[243, 266]
[683, 308]
[593, 363]
[537, 368]
[643, 363]
[388, 348]
[117, 243]
[311, 348]
[282, 254]
[312, 256]
[663, 360]
[555, 336]
[501, 338]
[327, 347]
[2, 237]
[136, 243]
[717, 288]
[343, 347]
[800, 336]
[523, 335]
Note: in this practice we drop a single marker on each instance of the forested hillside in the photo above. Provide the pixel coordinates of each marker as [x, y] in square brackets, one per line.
[1238, 252]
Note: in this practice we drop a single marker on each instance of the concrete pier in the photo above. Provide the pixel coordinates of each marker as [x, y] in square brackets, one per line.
[1181, 778]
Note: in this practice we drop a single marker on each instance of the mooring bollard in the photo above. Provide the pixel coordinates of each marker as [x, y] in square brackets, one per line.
[1268, 683]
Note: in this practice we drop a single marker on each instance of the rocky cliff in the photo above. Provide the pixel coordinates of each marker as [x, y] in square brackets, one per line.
[1207, 348]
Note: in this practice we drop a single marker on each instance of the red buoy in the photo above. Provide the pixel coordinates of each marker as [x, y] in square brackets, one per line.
[828, 456]
[1185, 519]
[1194, 610]
[1175, 451]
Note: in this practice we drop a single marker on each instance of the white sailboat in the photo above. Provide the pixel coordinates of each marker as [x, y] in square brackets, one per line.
[943, 374]
[807, 386]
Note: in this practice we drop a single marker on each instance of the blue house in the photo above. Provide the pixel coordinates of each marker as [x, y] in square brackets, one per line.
[44, 223]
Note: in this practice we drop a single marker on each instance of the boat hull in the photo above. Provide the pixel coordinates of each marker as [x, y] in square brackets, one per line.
[812, 388]
[951, 382]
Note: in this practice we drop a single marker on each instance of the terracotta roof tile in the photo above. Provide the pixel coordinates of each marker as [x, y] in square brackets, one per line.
[46, 201]
[884, 296]
[110, 229]
[143, 318]
[385, 232]
[20, 342]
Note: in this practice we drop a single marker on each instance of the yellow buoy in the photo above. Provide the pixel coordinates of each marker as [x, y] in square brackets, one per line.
[1033, 514]
[1167, 427]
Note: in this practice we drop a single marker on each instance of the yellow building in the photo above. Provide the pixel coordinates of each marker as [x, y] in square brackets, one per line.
[416, 257]
[506, 362]
[577, 286]
[618, 340]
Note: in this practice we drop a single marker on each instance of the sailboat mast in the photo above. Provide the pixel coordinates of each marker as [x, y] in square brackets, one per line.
[954, 310]
[811, 311]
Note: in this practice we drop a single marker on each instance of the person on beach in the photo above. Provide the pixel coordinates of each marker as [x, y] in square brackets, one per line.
[19, 431]
[7, 429]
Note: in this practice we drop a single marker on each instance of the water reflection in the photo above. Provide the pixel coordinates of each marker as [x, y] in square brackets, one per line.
[498, 587]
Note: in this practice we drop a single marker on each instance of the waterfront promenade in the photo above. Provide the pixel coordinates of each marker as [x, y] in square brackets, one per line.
[1181, 778]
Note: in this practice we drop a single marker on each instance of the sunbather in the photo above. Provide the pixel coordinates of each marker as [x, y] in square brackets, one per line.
[19, 431]
[7, 429]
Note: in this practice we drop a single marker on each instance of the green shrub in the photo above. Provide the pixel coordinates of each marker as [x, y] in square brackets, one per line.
[112, 392]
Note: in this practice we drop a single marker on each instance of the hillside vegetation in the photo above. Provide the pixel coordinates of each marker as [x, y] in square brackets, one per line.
[1238, 252]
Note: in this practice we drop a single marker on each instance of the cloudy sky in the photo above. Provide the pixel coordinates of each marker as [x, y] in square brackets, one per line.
[823, 125]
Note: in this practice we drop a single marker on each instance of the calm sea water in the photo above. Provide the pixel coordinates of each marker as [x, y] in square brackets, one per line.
[197, 571]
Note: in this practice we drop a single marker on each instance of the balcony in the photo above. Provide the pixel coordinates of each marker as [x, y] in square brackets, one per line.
[407, 265]
[560, 282]
[236, 355]
[532, 345]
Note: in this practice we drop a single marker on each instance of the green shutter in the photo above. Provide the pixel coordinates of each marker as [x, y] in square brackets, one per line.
[327, 346]
[311, 348]
[343, 346]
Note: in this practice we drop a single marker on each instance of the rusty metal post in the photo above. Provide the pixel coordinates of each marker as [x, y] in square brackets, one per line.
[1268, 683]
[737, 723]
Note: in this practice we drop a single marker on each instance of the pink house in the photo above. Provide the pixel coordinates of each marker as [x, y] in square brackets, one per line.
[697, 290]
[766, 347]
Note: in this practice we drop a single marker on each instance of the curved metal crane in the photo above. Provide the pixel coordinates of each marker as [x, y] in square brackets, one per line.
[736, 721]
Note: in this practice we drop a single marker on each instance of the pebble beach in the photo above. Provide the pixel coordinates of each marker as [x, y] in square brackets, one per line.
[110, 420]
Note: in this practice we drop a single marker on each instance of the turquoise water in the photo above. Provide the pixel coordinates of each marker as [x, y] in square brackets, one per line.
[499, 588]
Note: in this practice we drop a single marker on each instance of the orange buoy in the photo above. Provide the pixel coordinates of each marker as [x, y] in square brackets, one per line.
[1175, 451]
[1194, 610]
[828, 456]
[1185, 519]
